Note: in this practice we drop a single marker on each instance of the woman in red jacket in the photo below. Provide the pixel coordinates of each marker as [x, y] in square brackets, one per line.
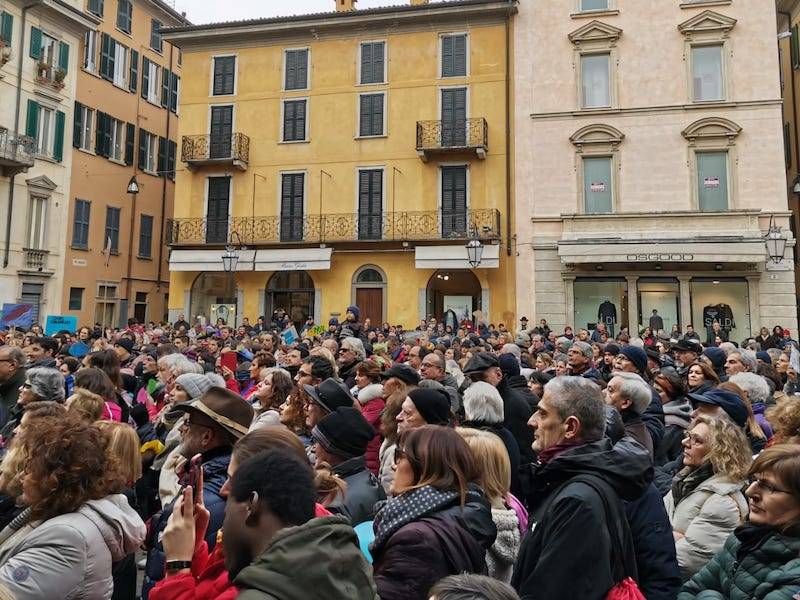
[206, 578]
[369, 392]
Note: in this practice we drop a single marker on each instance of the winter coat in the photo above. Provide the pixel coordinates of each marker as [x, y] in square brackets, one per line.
[518, 382]
[770, 570]
[555, 561]
[516, 413]
[9, 394]
[363, 491]
[370, 400]
[70, 556]
[348, 374]
[677, 417]
[267, 418]
[500, 558]
[653, 417]
[635, 428]
[659, 577]
[215, 472]
[449, 541]
[386, 469]
[320, 558]
[706, 517]
[759, 408]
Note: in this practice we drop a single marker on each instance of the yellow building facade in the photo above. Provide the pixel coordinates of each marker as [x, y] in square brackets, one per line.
[345, 158]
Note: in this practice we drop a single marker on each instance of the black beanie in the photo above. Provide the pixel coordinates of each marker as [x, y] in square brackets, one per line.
[433, 405]
[344, 432]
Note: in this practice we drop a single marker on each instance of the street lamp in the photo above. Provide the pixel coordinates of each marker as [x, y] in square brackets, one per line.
[133, 186]
[775, 241]
[230, 258]
[474, 248]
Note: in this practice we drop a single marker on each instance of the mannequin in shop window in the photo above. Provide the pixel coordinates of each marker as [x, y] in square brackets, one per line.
[721, 314]
[656, 322]
[607, 314]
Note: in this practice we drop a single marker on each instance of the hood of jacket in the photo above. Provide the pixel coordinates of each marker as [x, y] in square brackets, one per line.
[46, 361]
[720, 484]
[626, 466]
[370, 392]
[324, 550]
[475, 517]
[120, 526]
[678, 412]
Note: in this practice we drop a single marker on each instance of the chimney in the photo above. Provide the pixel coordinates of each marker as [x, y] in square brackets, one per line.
[418, 2]
[345, 5]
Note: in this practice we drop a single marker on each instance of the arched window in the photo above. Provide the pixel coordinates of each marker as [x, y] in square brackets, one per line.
[212, 290]
[369, 276]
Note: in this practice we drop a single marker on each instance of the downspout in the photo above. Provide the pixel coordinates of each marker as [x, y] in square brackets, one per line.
[10, 208]
[794, 102]
[508, 126]
[164, 189]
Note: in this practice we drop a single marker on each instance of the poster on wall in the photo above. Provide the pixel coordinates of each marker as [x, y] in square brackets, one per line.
[226, 312]
[461, 305]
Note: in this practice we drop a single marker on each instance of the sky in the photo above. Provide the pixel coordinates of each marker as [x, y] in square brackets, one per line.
[208, 11]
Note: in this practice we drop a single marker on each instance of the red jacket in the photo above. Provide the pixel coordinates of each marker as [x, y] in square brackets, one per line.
[370, 399]
[232, 385]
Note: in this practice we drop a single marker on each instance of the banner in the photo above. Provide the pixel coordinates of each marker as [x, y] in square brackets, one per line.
[56, 323]
[290, 336]
[316, 330]
[17, 315]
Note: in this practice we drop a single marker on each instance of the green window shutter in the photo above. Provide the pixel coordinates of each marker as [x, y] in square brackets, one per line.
[143, 135]
[63, 56]
[165, 79]
[32, 124]
[98, 134]
[597, 185]
[96, 7]
[134, 71]
[107, 57]
[58, 146]
[145, 76]
[6, 27]
[130, 139]
[162, 156]
[36, 43]
[172, 152]
[77, 125]
[712, 180]
[174, 85]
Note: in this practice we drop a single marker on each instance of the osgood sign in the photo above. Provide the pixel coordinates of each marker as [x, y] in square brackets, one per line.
[659, 257]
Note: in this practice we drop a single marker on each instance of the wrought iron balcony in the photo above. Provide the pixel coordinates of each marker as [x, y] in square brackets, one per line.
[450, 137]
[212, 149]
[348, 227]
[16, 153]
[35, 260]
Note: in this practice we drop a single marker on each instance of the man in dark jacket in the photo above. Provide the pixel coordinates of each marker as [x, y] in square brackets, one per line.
[579, 359]
[510, 367]
[433, 368]
[516, 410]
[634, 360]
[41, 352]
[341, 440]
[12, 376]
[578, 485]
[216, 421]
[351, 353]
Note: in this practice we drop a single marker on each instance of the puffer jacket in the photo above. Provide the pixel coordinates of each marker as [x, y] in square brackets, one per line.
[706, 517]
[370, 400]
[386, 469]
[766, 569]
[500, 558]
[363, 491]
[70, 556]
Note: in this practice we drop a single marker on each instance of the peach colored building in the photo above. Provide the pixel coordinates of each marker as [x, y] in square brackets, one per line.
[648, 164]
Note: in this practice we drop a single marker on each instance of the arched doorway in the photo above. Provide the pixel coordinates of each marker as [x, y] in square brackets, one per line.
[369, 293]
[213, 296]
[294, 292]
[453, 290]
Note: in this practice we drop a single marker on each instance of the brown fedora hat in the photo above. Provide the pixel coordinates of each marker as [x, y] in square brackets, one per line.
[226, 408]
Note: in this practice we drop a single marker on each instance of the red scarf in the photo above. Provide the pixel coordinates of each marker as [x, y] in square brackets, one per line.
[548, 454]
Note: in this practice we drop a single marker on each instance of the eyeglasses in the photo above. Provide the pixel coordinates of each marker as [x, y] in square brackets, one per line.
[693, 440]
[767, 487]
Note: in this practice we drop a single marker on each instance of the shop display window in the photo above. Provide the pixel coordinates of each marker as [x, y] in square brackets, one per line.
[603, 300]
[724, 300]
[661, 295]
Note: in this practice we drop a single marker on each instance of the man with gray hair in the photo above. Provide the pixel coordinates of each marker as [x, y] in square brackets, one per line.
[351, 353]
[577, 490]
[579, 359]
[740, 361]
[630, 395]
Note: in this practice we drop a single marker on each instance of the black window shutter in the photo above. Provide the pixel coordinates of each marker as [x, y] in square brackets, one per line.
[448, 66]
[165, 79]
[162, 156]
[77, 125]
[372, 58]
[288, 121]
[378, 49]
[105, 56]
[366, 63]
[460, 55]
[143, 137]
[292, 185]
[134, 73]
[145, 76]
[302, 69]
[364, 112]
[218, 77]
[291, 70]
[300, 120]
[174, 84]
[224, 75]
[130, 140]
[107, 133]
[172, 152]
[98, 134]
[217, 210]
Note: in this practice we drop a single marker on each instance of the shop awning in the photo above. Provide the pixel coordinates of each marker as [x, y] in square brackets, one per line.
[653, 251]
[207, 260]
[455, 257]
[294, 259]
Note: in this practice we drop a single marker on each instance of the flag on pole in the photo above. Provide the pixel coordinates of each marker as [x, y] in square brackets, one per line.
[107, 250]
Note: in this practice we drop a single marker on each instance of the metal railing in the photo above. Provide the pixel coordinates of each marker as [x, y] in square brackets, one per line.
[16, 151]
[347, 227]
[211, 147]
[452, 135]
[35, 259]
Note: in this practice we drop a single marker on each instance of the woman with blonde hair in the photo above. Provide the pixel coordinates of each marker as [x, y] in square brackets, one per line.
[123, 444]
[706, 502]
[86, 405]
[494, 476]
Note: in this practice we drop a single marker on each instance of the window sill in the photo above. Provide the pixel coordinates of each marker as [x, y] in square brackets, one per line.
[157, 51]
[213, 95]
[117, 161]
[290, 91]
[360, 84]
[93, 73]
[151, 173]
[696, 3]
[80, 248]
[294, 142]
[597, 109]
[46, 158]
[156, 103]
[709, 102]
[123, 87]
[371, 137]
[140, 257]
[86, 151]
[122, 31]
[586, 14]
[451, 77]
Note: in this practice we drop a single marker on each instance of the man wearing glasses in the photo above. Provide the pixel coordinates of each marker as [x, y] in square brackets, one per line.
[351, 353]
[12, 376]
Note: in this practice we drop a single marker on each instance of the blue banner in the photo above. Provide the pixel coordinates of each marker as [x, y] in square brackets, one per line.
[17, 315]
[56, 323]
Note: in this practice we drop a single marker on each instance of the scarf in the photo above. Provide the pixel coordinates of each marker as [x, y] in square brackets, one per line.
[751, 537]
[688, 479]
[548, 454]
[408, 507]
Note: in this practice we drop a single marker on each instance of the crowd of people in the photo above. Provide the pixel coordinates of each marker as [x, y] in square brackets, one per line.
[454, 461]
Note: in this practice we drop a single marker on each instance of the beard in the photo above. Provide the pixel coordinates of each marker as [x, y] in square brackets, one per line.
[237, 556]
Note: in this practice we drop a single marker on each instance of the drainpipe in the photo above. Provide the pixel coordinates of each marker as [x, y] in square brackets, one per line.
[508, 126]
[10, 208]
[164, 189]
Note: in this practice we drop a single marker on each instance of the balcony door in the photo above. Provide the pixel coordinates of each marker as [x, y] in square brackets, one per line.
[217, 212]
[292, 196]
[454, 202]
[370, 204]
[454, 117]
[221, 131]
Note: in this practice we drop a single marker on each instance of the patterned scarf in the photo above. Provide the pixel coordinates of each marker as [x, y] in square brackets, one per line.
[406, 508]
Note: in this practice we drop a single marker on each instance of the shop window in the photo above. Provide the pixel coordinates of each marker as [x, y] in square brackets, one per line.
[601, 301]
[724, 300]
[213, 296]
[293, 291]
[659, 303]
[595, 59]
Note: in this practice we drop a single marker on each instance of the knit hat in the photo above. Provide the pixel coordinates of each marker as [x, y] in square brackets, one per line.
[432, 405]
[126, 343]
[333, 322]
[195, 385]
[344, 432]
[355, 310]
[717, 357]
[764, 356]
[508, 365]
[637, 356]
[611, 349]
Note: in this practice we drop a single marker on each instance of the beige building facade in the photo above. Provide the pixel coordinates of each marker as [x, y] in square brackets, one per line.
[648, 164]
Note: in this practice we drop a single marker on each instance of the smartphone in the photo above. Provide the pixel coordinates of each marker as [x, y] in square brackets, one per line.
[228, 359]
[191, 474]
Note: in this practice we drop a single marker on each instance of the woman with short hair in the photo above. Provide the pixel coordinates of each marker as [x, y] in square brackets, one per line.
[436, 499]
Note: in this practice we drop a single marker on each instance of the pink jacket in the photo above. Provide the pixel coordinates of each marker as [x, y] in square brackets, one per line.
[370, 400]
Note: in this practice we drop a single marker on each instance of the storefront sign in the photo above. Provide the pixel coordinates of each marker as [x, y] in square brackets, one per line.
[291, 266]
[711, 182]
[598, 186]
[659, 257]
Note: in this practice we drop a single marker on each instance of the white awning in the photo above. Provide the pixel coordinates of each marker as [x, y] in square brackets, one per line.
[455, 257]
[652, 251]
[207, 260]
[294, 259]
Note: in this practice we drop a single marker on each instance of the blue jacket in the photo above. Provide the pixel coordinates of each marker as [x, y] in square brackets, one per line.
[215, 473]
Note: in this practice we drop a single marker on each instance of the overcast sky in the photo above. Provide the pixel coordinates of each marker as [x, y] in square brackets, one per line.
[208, 11]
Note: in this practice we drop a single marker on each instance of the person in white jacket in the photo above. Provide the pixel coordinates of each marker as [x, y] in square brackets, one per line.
[74, 526]
[706, 502]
